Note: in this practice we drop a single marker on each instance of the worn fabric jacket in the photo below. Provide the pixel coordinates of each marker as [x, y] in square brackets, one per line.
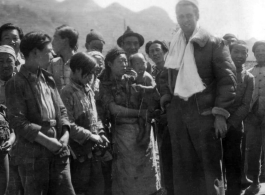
[83, 116]
[25, 115]
[61, 72]
[217, 71]
[258, 71]
[241, 107]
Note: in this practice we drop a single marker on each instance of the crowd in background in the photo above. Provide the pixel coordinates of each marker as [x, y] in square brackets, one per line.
[184, 118]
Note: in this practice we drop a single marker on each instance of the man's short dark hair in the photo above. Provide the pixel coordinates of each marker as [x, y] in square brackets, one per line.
[238, 42]
[10, 26]
[187, 3]
[33, 40]
[82, 61]
[163, 46]
[70, 33]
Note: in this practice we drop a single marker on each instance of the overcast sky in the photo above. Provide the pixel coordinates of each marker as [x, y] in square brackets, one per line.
[244, 18]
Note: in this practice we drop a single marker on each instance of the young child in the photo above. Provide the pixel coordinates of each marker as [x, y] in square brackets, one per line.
[146, 86]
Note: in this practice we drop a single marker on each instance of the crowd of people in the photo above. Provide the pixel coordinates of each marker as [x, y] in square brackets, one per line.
[185, 118]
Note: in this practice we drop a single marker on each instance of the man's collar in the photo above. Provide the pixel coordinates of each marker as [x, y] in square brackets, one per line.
[33, 77]
[201, 37]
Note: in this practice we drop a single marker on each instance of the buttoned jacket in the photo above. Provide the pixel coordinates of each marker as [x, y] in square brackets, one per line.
[25, 113]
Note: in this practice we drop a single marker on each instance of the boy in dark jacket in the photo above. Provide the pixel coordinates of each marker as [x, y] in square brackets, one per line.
[238, 111]
[39, 118]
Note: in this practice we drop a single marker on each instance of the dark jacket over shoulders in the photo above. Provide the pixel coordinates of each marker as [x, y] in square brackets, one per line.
[217, 71]
[241, 107]
[25, 113]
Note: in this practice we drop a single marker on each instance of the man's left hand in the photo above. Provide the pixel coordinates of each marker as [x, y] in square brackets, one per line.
[64, 141]
[220, 126]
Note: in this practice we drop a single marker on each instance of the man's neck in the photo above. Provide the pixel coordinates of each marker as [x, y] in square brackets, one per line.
[67, 54]
[31, 66]
[188, 36]
[160, 65]
[239, 68]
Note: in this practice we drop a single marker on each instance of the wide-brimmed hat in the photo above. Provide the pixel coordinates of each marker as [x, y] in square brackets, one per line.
[129, 33]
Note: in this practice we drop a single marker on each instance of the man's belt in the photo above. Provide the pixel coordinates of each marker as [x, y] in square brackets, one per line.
[49, 123]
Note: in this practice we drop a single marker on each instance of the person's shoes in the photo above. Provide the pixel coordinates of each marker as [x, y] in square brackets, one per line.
[245, 182]
[253, 189]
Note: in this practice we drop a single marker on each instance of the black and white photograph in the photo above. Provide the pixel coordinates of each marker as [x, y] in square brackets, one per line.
[142, 97]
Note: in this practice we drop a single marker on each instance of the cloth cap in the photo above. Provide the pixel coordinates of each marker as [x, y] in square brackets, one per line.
[9, 50]
[229, 35]
[256, 44]
[94, 35]
[129, 33]
[195, 2]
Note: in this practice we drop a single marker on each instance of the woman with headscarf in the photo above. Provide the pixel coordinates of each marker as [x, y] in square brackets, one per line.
[134, 166]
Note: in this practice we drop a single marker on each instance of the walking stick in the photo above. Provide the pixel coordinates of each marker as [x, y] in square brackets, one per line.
[220, 183]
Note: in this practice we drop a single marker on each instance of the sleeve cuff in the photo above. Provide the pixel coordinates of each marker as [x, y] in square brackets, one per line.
[34, 130]
[220, 111]
[67, 127]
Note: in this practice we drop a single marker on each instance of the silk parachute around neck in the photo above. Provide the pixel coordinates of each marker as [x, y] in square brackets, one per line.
[181, 58]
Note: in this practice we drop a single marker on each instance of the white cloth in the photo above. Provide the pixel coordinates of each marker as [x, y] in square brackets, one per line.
[181, 58]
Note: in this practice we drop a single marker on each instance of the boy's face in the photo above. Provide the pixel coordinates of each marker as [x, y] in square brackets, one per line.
[101, 64]
[58, 43]
[7, 64]
[239, 54]
[87, 78]
[260, 53]
[11, 38]
[95, 45]
[44, 56]
[139, 64]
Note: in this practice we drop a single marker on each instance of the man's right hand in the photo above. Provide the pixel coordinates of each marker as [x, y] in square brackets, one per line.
[96, 138]
[144, 114]
[164, 101]
[54, 145]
